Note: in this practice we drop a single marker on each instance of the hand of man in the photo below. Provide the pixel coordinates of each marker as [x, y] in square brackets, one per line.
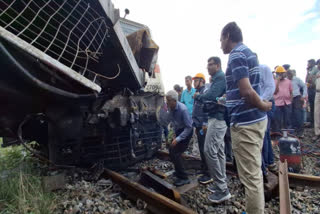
[195, 94]
[174, 143]
[302, 99]
[267, 106]
[204, 128]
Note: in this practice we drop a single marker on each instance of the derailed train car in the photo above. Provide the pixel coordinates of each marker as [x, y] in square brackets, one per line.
[79, 80]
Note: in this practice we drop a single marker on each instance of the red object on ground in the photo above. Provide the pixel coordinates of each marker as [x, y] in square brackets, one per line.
[290, 150]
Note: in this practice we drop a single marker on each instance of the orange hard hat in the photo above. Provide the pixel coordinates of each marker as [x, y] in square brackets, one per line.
[280, 69]
[199, 75]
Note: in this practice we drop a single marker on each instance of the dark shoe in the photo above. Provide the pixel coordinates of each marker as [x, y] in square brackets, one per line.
[181, 182]
[213, 188]
[175, 174]
[205, 179]
[219, 197]
[201, 172]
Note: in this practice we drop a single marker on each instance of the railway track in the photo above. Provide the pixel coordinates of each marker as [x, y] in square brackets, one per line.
[284, 192]
[156, 202]
[163, 198]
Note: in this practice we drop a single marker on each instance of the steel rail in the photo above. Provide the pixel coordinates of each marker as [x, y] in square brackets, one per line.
[157, 203]
[284, 194]
[304, 180]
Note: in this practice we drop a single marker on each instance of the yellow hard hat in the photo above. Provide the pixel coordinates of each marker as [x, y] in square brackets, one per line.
[199, 75]
[280, 69]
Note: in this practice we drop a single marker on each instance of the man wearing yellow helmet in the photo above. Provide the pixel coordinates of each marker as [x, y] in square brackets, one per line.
[282, 99]
[200, 120]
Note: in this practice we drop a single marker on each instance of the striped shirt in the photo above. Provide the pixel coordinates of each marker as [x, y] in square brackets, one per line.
[242, 63]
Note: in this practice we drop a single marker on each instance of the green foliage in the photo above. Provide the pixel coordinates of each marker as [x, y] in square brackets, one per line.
[20, 184]
[11, 157]
[22, 193]
[170, 135]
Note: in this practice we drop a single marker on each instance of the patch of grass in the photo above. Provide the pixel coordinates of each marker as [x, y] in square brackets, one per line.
[11, 157]
[23, 193]
[20, 184]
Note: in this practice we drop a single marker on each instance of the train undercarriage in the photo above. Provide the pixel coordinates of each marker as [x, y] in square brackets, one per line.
[78, 88]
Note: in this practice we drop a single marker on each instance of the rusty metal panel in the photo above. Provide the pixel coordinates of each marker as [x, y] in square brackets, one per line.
[144, 49]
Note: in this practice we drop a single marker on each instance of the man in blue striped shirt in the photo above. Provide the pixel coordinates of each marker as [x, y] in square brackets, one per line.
[247, 114]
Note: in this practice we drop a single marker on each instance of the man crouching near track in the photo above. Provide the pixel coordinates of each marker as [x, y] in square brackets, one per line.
[181, 121]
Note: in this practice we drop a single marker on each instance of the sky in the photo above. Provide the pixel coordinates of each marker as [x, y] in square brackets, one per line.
[188, 32]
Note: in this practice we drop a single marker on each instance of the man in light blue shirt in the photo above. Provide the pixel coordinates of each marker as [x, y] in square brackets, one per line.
[187, 95]
[267, 88]
[299, 94]
[267, 84]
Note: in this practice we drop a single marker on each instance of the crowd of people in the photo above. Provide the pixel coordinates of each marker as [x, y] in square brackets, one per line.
[233, 113]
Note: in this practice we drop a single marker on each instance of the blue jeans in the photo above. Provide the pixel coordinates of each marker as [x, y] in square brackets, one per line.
[282, 117]
[267, 152]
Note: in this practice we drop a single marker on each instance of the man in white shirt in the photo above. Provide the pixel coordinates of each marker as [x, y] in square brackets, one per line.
[299, 94]
[317, 105]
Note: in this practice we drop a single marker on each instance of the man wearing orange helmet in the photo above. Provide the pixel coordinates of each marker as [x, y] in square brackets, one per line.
[282, 99]
[200, 120]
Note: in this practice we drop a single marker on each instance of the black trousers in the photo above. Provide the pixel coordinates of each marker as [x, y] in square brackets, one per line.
[297, 114]
[176, 152]
[201, 140]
